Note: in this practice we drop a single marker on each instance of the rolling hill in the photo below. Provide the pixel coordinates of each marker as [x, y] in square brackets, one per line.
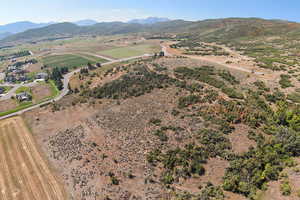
[210, 30]
[149, 20]
[18, 27]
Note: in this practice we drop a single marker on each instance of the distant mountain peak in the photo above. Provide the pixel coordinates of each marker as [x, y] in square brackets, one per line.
[21, 26]
[86, 22]
[149, 20]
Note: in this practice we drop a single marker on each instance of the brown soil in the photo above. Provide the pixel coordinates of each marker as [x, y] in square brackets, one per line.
[239, 140]
[6, 105]
[41, 91]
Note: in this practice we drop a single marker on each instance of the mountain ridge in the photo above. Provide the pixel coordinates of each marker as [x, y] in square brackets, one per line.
[210, 29]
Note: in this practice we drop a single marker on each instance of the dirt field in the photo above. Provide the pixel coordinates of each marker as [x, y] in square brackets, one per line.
[7, 105]
[41, 91]
[24, 175]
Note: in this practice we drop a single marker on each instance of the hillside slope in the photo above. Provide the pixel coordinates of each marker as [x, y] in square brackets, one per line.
[210, 30]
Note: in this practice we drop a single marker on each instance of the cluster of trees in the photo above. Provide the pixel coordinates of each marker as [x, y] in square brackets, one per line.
[179, 162]
[133, 84]
[20, 54]
[57, 76]
[206, 74]
[21, 63]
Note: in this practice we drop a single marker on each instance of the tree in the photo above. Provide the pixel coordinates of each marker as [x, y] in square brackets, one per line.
[98, 65]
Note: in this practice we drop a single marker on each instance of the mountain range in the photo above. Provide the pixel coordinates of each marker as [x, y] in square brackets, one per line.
[18, 27]
[212, 29]
[149, 20]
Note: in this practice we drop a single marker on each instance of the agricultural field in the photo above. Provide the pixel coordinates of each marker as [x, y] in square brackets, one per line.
[130, 51]
[70, 60]
[24, 173]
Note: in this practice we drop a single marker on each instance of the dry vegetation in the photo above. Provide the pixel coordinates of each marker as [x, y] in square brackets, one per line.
[24, 173]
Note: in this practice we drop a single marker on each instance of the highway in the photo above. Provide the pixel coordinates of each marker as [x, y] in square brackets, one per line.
[65, 90]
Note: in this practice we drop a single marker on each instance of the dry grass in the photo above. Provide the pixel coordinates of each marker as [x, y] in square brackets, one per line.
[41, 91]
[8, 104]
[24, 175]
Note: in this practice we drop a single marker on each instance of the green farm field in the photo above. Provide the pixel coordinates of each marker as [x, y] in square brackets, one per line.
[70, 60]
[125, 52]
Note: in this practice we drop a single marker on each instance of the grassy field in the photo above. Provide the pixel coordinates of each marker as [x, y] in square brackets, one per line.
[23, 89]
[70, 60]
[124, 52]
[92, 58]
[24, 174]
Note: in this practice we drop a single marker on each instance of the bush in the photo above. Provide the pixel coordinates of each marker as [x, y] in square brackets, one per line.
[232, 93]
[285, 81]
[226, 75]
[188, 100]
[285, 188]
[261, 86]
[155, 121]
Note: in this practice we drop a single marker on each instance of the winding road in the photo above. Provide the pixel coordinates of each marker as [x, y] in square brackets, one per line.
[65, 90]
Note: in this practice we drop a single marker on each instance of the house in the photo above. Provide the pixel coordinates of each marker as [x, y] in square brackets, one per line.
[22, 78]
[41, 76]
[11, 68]
[10, 79]
[2, 90]
[24, 96]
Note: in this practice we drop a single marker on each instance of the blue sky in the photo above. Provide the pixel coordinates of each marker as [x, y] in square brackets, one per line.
[123, 10]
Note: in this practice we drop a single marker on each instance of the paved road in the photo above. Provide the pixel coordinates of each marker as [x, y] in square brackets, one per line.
[65, 90]
[12, 91]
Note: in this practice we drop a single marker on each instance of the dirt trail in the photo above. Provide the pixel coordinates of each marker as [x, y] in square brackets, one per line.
[24, 174]
[212, 61]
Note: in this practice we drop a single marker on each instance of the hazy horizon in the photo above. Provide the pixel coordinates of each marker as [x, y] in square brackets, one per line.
[120, 10]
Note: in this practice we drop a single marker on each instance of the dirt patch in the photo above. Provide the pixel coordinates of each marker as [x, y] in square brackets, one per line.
[41, 91]
[34, 67]
[8, 104]
[239, 139]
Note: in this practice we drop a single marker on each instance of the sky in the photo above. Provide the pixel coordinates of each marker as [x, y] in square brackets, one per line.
[124, 10]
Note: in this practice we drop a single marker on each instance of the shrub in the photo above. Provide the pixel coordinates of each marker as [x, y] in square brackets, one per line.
[188, 100]
[285, 81]
[285, 188]
[226, 75]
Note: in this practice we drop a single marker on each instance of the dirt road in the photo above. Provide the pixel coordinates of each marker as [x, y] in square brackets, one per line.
[170, 51]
